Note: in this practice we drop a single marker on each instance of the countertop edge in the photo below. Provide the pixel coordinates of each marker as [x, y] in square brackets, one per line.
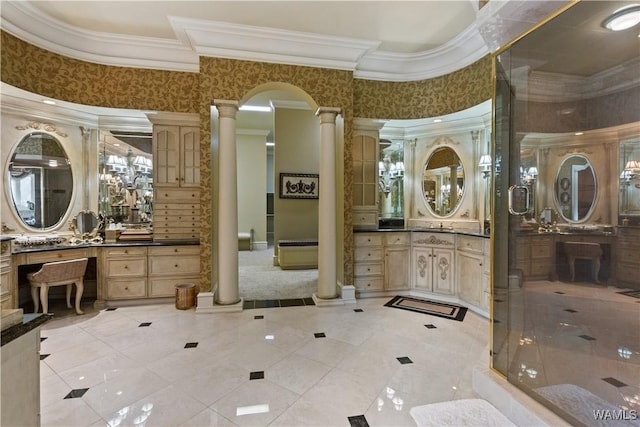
[29, 323]
[419, 230]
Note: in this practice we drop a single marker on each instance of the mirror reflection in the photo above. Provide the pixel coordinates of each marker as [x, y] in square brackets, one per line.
[41, 182]
[126, 185]
[443, 181]
[575, 188]
[85, 226]
[391, 179]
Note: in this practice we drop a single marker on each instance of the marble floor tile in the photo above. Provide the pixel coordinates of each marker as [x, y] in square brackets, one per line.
[213, 382]
[100, 370]
[69, 413]
[208, 417]
[297, 373]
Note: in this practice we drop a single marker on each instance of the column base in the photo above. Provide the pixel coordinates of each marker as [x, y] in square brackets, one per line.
[206, 304]
[348, 293]
[327, 302]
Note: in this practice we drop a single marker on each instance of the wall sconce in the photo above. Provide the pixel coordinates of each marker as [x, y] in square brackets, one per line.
[632, 168]
[389, 173]
[485, 165]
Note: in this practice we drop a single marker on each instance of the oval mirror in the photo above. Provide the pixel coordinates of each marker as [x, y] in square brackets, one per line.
[40, 180]
[443, 181]
[575, 188]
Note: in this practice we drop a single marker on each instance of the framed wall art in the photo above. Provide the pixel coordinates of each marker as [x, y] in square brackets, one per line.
[299, 185]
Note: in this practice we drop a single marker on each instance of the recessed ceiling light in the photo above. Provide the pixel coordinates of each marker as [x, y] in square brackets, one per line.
[49, 102]
[623, 19]
[257, 108]
[579, 133]
[270, 144]
[437, 120]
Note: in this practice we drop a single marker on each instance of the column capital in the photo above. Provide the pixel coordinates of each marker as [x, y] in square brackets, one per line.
[328, 114]
[226, 108]
[413, 142]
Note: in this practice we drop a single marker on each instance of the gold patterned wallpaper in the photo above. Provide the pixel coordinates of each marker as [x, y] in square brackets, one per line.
[424, 98]
[36, 70]
[39, 71]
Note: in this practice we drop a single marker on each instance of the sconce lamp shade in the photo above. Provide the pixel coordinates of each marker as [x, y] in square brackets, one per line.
[533, 172]
[632, 165]
[485, 162]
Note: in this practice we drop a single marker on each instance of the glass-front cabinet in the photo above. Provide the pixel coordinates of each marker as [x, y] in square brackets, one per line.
[566, 217]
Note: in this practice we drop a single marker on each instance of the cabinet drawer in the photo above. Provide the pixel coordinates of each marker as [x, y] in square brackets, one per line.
[432, 239]
[171, 220]
[627, 256]
[368, 254]
[369, 284]
[174, 265]
[175, 250]
[361, 219]
[396, 238]
[125, 252]
[166, 287]
[192, 208]
[126, 288]
[126, 267]
[60, 255]
[469, 243]
[361, 240]
[172, 195]
[165, 234]
[628, 273]
[374, 269]
[540, 269]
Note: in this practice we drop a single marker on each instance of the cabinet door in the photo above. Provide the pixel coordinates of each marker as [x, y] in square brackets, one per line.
[190, 156]
[422, 269]
[396, 269]
[443, 279]
[166, 155]
[470, 278]
[365, 170]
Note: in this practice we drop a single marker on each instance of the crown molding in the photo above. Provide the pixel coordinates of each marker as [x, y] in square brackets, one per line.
[496, 24]
[291, 105]
[28, 23]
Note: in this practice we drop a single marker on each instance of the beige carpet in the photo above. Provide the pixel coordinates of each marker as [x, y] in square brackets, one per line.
[463, 412]
[260, 280]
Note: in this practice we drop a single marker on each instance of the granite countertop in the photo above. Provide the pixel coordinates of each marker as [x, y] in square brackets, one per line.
[29, 322]
[43, 248]
[422, 230]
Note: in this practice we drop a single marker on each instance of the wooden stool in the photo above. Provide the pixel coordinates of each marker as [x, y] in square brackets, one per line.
[57, 274]
[583, 250]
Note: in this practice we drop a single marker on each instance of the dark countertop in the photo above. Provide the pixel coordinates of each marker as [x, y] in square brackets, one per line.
[421, 230]
[29, 323]
[43, 248]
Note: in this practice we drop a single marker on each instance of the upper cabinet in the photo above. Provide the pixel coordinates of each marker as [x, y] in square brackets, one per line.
[176, 153]
[364, 151]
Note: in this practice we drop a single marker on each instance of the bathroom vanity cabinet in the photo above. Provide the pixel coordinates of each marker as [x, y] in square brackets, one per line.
[433, 262]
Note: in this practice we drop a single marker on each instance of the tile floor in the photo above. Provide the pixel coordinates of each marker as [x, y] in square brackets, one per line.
[362, 364]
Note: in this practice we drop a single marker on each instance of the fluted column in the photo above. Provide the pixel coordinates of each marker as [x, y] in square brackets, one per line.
[327, 268]
[227, 215]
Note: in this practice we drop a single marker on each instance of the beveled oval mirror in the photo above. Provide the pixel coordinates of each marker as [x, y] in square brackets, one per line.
[443, 181]
[575, 188]
[40, 181]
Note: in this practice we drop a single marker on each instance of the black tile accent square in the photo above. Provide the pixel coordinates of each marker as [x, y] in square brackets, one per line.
[587, 337]
[191, 345]
[404, 360]
[571, 311]
[296, 302]
[358, 421]
[319, 335]
[111, 309]
[144, 325]
[248, 305]
[559, 293]
[614, 382]
[358, 310]
[77, 392]
[259, 317]
[270, 303]
[430, 326]
[309, 301]
[43, 338]
[256, 375]
[44, 356]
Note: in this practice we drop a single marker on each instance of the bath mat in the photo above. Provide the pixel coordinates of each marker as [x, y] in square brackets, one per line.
[463, 412]
[434, 308]
[634, 293]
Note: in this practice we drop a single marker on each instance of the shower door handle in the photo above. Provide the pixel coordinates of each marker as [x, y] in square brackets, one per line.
[518, 200]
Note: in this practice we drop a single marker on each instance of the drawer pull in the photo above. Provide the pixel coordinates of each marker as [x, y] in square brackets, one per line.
[368, 269]
[126, 251]
[368, 254]
[126, 267]
[175, 250]
[368, 240]
[176, 266]
[126, 288]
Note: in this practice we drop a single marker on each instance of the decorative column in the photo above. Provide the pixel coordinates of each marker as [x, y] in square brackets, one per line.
[327, 269]
[227, 215]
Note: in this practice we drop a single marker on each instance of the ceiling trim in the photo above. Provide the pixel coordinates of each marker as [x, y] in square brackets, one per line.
[496, 23]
